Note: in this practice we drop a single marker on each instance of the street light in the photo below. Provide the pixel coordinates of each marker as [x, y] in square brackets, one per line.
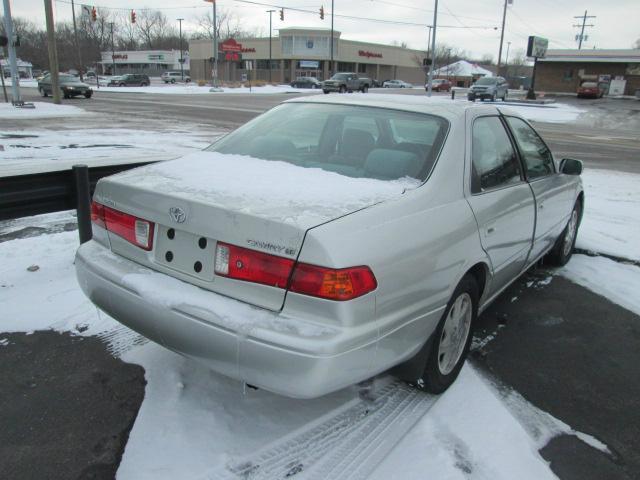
[214, 73]
[181, 59]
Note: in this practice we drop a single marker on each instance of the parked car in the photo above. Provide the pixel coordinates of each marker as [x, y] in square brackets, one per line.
[396, 84]
[590, 90]
[439, 85]
[173, 77]
[638, 93]
[346, 82]
[306, 82]
[130, 79]
[304, 263]
[69, 85]
[489, 88]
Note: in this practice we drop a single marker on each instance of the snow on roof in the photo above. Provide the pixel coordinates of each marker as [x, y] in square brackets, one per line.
[603, 55]
[21, 63]
[462, 68]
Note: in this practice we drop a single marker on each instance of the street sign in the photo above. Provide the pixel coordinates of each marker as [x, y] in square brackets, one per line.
[426, 62]
[537, 47]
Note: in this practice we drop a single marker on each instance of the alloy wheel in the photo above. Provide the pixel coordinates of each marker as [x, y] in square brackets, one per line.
[455, 333]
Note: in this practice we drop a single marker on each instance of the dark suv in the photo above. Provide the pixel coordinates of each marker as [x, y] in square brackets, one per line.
[130, 79]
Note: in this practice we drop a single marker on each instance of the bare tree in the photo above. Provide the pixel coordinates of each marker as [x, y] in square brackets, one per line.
[637, 44]
[401, 44]
[228, 23]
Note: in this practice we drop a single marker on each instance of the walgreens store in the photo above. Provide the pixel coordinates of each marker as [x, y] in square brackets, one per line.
[304, 52]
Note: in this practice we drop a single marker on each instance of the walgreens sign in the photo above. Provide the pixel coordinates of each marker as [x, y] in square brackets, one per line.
[368, 54]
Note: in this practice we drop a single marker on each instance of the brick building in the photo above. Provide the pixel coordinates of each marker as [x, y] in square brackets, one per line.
[565, 70]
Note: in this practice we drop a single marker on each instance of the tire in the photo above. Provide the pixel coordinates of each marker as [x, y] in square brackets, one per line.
[493, 97]
[314, 86]
[66, 95]
[173, 80]
[122, 84]
[88, 94]
[343, 89]
[326, 92]
[562, 250]
[471, 98]
[365, 88]
[143, 84]
[504, 97]
[444, 363]
[43, 92]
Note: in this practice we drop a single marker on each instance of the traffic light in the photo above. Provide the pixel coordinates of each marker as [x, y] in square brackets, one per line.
[282, 14]
[133, 16]
[94, 14]
[322, 12]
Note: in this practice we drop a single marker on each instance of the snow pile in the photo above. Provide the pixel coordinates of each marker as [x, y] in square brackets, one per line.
[551, 113]
[26, 151]
[611, 222]
[41, 110]
[192, 89]
[271, 189]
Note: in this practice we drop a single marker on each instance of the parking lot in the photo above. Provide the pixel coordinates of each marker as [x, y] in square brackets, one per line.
[82, 397]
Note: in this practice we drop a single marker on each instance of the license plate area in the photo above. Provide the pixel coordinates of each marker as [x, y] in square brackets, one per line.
[185, 252]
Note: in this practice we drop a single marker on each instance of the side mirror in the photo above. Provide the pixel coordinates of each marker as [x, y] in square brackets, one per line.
[570, 166]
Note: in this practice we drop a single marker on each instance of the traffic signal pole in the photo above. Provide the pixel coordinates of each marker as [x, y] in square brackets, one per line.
[13, 61]
[75, 35]
[53, 51]
[433, 49]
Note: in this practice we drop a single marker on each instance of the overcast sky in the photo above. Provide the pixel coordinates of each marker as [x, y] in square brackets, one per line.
[617, 24]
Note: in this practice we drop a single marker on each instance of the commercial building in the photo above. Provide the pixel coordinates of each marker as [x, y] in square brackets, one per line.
[565, 70]
[300, 52]
[149, 62]
[25, 69]
[462, 73]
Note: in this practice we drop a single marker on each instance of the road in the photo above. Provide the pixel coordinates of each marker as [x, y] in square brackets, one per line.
[608, 137]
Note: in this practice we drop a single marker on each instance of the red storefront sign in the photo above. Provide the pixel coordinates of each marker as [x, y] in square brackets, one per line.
[368, 54]
[230, 45]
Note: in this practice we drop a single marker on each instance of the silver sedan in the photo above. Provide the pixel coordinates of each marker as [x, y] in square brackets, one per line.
[329, 240]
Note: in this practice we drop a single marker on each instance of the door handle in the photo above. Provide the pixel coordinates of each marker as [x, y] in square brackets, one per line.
[490, 230]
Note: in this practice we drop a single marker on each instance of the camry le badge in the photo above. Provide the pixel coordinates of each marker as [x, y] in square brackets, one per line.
[177, 214]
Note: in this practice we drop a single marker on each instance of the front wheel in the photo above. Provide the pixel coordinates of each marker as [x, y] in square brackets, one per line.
[122, 85]
[326, 92]
[143, 84]
[451, 339]
[365, 88]
[88, 94]
[562, 250]
[342, 89]
[173, 80]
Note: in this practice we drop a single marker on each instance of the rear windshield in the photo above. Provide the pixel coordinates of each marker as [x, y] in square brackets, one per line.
[486, 81]
[340, 76]
[351, 140]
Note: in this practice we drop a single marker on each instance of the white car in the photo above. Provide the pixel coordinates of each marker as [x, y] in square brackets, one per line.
[173, 77]
[396, 84]
[302, 260]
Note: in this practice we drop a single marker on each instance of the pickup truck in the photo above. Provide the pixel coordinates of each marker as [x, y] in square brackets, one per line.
[346, 82]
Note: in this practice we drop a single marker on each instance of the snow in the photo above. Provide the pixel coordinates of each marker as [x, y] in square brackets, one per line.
[193, 89]
[41, 110]
[39, 149]
[462, 68]
[611, 222]
[549, 113]
[618, 282]
[245, 184]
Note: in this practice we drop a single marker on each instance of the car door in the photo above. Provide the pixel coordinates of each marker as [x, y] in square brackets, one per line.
[500, 198]
[45, 83]
[552, 191]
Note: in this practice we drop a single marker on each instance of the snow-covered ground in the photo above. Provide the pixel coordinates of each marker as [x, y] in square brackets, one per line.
[23, 151]
[192, 89]
[41, 110]
[548, 113]
[194, 422]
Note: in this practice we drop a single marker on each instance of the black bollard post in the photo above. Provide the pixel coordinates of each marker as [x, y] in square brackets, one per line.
[83, 201]
[453, 94]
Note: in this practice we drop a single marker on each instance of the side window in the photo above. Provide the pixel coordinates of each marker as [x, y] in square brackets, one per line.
[537, 157]
[494, 160]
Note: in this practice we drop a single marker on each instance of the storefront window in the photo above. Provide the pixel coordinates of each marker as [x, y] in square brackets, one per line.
[286, 45]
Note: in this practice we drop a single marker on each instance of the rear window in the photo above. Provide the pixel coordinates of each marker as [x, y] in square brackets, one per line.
[362, 142]
[487, 81]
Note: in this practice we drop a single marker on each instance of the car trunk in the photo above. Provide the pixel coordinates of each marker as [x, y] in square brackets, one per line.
[208, 197]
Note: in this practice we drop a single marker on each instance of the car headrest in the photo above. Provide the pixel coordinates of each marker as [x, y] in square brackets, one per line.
[389, 164]
[357, 143]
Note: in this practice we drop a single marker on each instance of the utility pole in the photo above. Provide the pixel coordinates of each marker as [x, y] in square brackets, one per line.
[181, 58]
[214, 73]
[53, 51]
[506, 60]
[113, 51]
[270, 12]
[433, 48]
[11, 46]
[75, 35]
[504, 18]
[581, 36]
[331, 43]
[429, 27]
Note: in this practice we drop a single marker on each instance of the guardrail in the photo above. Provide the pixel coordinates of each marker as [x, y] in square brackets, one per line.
[37, 193]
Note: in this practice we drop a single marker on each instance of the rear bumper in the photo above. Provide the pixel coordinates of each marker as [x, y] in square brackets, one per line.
[292, 357]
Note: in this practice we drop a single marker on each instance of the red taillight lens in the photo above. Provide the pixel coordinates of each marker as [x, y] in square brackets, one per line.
[333, 284]
[252, 266]
[97, 214]
[133, 229]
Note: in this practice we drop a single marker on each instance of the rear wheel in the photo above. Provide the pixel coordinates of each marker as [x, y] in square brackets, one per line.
[173, 80]
[563, 248]
[451, 339]
[342, 89]
[143, 84]
[122, 84]
[365, 88]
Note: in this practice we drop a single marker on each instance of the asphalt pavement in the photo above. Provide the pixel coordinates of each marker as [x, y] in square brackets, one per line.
[608, 137]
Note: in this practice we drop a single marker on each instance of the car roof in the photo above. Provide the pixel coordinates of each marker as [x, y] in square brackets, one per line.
[443, 107]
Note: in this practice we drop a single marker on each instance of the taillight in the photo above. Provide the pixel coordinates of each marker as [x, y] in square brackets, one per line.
[333, 284]
[133, 229]
[252, 266]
